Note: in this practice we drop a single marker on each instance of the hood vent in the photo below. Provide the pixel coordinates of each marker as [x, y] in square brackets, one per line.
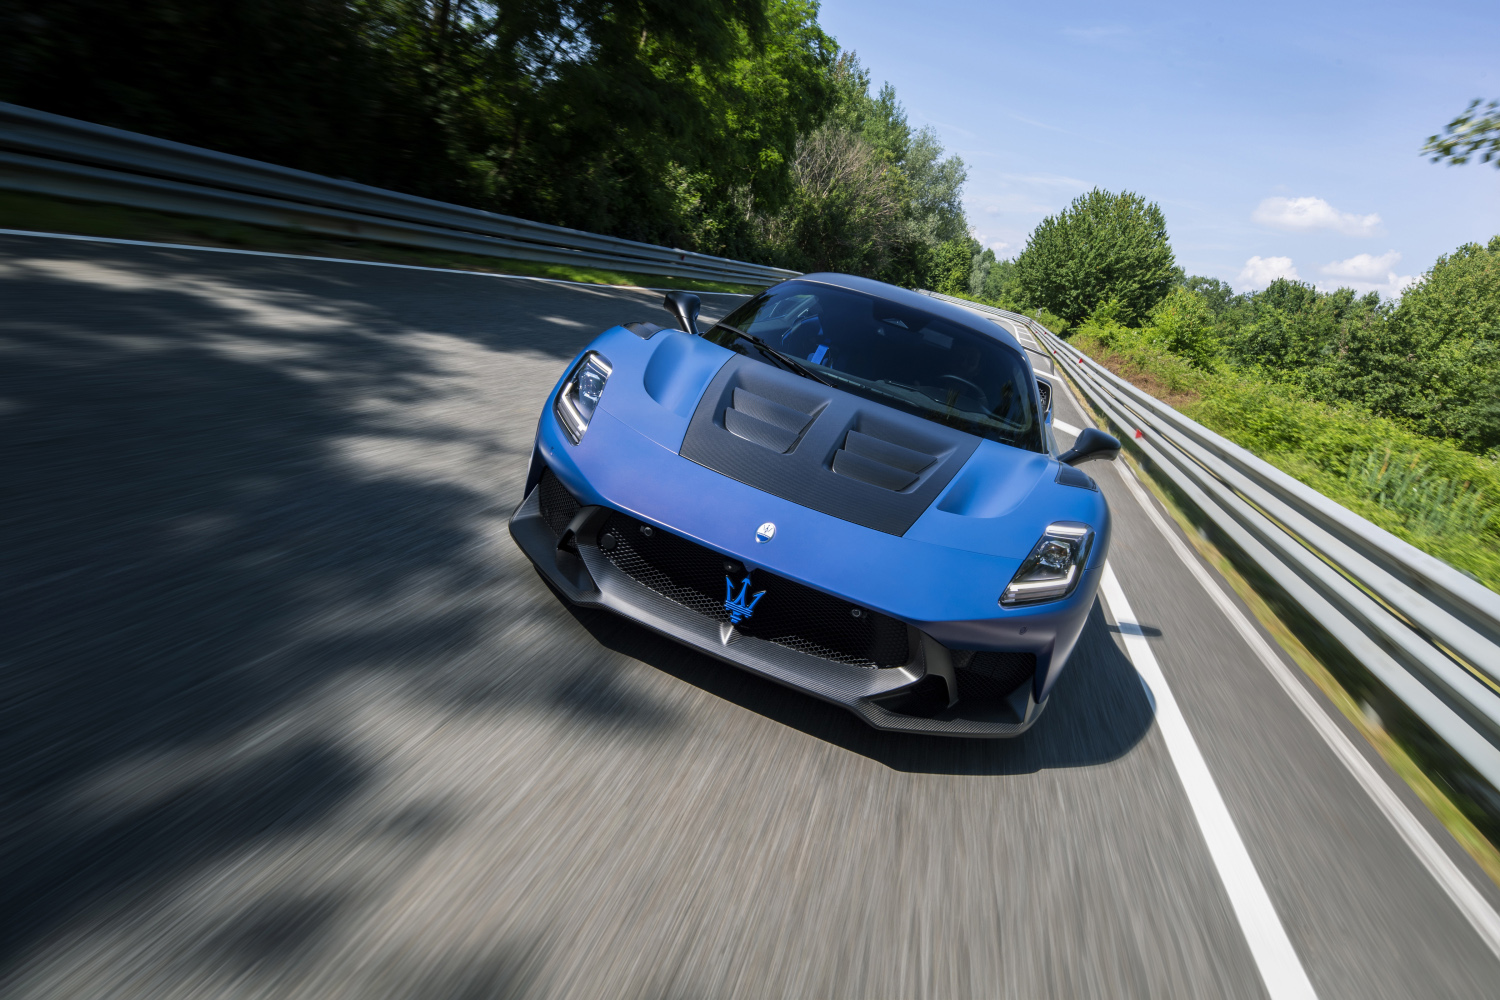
[776, 431]
[765, 422]
[879, 463]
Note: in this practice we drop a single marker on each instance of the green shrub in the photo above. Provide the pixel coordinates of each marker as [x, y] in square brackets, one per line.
[1183, 323]
[1050, 320]
[1429, 492]
[1105, 326]
[1433, 504]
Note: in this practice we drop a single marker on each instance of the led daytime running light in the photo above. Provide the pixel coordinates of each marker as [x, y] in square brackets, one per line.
[579, 395]
[1052, 569]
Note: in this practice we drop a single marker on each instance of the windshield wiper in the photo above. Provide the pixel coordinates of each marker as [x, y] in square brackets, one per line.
[771, 354]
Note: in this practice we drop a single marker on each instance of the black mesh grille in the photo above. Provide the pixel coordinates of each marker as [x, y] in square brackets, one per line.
[558, 505]
[989, 676]
[789, 613]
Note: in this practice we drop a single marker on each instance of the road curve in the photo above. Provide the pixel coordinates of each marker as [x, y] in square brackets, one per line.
[286, 714]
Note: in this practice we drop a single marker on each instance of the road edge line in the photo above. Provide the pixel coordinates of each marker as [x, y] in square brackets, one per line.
[1470, 902]
[1280, 968]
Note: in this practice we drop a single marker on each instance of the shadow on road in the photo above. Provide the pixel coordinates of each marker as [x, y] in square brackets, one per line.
[1098, 711]
[190, 557]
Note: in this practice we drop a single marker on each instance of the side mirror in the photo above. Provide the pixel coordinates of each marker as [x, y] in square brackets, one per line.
[1092, 445]
[685, 306]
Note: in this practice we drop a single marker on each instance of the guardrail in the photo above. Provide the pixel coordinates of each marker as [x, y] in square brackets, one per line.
[1425, 631]
[48, 154]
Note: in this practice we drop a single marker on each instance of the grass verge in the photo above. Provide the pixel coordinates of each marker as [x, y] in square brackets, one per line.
[1455, 795]
[1440, 498]
[44, 213]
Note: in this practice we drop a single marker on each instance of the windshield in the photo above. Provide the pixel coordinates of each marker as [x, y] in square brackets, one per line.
[893, 354]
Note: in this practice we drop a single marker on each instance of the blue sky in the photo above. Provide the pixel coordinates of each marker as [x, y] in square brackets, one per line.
[1277, 138]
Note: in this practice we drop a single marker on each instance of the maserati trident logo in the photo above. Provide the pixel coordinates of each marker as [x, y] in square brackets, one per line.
[765, 532]
[737, 606]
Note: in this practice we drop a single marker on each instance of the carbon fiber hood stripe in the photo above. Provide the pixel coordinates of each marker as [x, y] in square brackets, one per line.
[900, 463]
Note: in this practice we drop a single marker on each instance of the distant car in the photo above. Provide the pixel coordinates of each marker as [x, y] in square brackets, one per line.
[846, 487]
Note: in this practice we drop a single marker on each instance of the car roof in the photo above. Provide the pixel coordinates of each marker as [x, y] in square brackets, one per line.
[916, 300]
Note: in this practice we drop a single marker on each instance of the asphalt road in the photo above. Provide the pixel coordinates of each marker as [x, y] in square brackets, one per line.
[284, 713]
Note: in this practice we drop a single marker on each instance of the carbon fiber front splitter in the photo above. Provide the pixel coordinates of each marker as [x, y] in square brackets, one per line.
[583, 574]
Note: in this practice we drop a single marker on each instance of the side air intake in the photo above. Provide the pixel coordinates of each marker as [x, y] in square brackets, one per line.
[764, 422]
[879, 463]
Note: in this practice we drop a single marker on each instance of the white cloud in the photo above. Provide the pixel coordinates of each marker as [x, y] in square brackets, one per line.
[1362, 266]
[997, 245]
[1366, 273]
[1305, 214]
[1261, 271]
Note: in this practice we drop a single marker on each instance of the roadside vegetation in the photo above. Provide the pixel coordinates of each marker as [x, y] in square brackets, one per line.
[731, 127]
[1426, 490]
[1390, 408]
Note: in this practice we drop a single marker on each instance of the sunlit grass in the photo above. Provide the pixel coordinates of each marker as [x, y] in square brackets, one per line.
[1423, 490]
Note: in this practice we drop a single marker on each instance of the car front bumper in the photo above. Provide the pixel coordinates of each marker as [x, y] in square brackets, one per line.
[578, 569]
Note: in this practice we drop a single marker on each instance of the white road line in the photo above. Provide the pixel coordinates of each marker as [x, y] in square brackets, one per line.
[337, 260]
[1280, 969]
[1475, 908]
[1066, 427]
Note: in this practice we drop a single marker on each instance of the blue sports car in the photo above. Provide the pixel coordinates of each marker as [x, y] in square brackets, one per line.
[846, 487]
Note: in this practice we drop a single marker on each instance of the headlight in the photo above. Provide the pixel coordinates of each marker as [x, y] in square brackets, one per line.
[579, 396]
[1054, 566]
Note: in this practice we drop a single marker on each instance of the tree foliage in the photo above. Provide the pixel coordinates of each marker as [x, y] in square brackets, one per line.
[733, 127]
[1477, 130]
[305, 83]
[653, 120]
[1103, 246]
[1430, 360]
[953, 265]
[1435, 361]
[1183, 323]
[870, 195]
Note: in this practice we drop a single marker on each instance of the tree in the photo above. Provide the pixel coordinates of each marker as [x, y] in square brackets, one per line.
[874, 196]
[1477, 130]
[979, 272]
[760, 105]
[998, 283]
[1218, 294]
[953, 265]
[1443, 349]
[667, 122]
[845, 210]
[1103, 246]
[313, 84]
[1183, 323]
[1291, 328]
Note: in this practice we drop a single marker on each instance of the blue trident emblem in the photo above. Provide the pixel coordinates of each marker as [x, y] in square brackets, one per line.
[738, 609]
